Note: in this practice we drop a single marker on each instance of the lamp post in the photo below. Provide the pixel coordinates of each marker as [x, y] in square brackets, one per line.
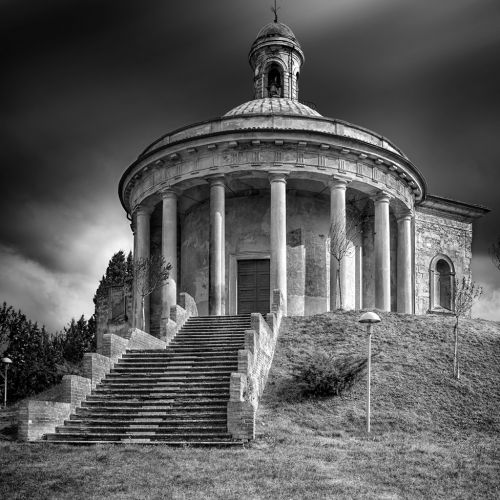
[369, 318]
[6, 362]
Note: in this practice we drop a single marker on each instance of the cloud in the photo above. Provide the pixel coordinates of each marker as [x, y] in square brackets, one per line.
[53, 297]
[45, 297]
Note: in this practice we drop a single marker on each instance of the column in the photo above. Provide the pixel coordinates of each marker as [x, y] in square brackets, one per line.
[404, 263]
[169, 250]
[141, 248]
[217, 285]
[278, 237]
[382, 253]
[358, 287]
[337, 243]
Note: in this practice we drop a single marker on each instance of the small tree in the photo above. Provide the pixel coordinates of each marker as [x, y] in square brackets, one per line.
[149, 275]
[342, 234]
[466, 293]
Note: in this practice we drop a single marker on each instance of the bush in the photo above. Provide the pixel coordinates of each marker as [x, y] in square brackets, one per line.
[325, 375]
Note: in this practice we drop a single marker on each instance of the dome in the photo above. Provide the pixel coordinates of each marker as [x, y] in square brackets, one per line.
[276, 29]
[273, 106]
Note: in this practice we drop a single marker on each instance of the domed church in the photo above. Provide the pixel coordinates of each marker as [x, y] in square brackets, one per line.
[255, 201]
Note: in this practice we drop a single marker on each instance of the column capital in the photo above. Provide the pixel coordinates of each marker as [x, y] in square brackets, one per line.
[217, 180]
[167, 192]
[142, 210]
[382, 197]
[278, 176]
[405, 215]
[338, 182]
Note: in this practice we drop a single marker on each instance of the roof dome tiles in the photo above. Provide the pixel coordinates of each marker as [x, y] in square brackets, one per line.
[273, 106]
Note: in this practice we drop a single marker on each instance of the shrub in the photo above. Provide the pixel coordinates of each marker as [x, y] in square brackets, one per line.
[325, 375]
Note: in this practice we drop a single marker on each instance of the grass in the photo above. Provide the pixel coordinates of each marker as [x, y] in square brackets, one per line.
[432, 436]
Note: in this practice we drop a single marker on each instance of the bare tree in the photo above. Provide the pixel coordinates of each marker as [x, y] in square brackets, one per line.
[494, 251]
[466, 293]
[149, 275]
[342, 234]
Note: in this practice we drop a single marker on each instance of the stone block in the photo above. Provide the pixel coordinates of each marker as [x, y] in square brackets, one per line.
[113, 346]
[143, 340]
[37, 418]
[96, 367]
[75, 389]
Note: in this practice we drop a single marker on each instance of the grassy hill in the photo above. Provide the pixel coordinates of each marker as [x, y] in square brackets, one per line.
[412, 385]
[432, 436]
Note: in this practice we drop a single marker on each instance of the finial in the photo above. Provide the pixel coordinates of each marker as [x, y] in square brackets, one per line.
[275, 10]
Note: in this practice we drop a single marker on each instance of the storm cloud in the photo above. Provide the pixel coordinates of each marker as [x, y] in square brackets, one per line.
[86, 85]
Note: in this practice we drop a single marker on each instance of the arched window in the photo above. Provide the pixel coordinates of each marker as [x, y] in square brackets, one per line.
[442, 284]
[274, 81]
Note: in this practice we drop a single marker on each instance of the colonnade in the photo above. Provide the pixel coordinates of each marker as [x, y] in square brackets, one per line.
[278, 249]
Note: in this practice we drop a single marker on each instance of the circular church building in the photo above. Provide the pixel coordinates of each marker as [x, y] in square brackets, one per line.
[273, 196]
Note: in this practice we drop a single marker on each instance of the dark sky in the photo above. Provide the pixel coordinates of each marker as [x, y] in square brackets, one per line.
[86, 85]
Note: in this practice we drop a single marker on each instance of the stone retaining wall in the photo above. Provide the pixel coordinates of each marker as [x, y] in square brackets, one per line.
[254, 362]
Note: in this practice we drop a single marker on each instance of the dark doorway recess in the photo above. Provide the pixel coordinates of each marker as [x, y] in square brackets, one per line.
[253, 286]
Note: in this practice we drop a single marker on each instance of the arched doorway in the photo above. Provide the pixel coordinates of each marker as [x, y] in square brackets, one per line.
[442, 278]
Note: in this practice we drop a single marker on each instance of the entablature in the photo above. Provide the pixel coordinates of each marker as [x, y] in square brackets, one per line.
[252, 155]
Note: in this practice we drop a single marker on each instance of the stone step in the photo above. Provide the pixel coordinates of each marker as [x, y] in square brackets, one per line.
[198, 346]
[121, 437]
[214, 443]
[203, 337]
[129, 428]
[167, 388]
[178, 356]
[159, 404]
[158, 396]
[202, 362]
[161, 396]
[111, 385]
[177, 375]
[204, 348]
[207, 419]
[152, 411]
[176, 361]
[213, 330]
[173, 370]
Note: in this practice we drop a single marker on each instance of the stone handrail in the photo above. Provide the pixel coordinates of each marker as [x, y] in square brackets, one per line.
[254, 362]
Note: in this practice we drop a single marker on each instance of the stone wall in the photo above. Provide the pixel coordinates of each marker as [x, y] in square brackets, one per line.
[37, 418]
[436, 233]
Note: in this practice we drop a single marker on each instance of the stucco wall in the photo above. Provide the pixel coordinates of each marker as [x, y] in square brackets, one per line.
[438, 234]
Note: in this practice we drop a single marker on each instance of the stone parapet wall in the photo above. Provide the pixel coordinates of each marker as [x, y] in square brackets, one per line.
[179, 314]
[96, 367]
[254, 362]
[75, 389]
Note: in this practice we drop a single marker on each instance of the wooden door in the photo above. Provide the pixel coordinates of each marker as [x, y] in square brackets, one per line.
[253, 286]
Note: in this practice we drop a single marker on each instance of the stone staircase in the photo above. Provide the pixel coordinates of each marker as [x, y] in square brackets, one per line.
[175, 396]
